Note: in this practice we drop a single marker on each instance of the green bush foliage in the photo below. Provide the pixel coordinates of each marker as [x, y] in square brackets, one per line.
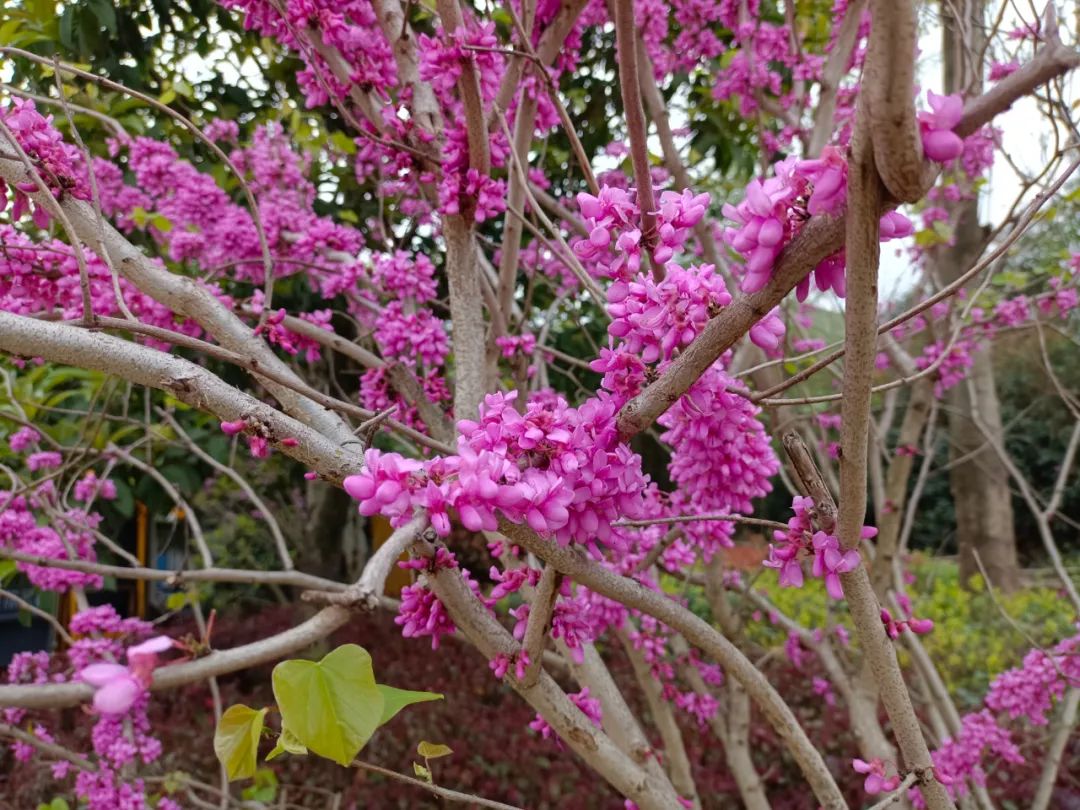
[976, 635]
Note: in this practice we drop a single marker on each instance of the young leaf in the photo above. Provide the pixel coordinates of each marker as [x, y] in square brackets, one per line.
[421, 771]
[264, 788]
[331, 706]
[236, 740]
[394, 700]
[287, 743]
[433, 750]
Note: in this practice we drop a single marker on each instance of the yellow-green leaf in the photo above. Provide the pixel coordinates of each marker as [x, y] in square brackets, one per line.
[332, 706]
[433, 750]
[287, 743]
[421, 771]
[394, 700]
[236, 740]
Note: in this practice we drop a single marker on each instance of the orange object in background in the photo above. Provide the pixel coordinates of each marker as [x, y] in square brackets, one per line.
[142, 523]
[399, 577]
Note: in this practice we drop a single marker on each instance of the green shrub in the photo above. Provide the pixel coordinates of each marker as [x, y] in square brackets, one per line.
[971, 642]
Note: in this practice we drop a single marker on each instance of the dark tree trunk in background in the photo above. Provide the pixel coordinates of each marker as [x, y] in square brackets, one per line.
[978, 480]
[324, 542]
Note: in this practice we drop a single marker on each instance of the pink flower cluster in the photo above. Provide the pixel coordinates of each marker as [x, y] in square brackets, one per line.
[421, 614]
[656, 319]
[774, 210]
[511, 345]
[894, 627]
[651, 320]
[59, 164]
[960, 759]
[721, 457]
[562, 470]
[90, 487]
[73, 528]
[1029, 690]
[801, 541]
[614, 246]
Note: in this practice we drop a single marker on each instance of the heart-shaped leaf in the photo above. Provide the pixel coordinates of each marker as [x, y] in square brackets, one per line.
[332, 706]
[236, 740]
[394, 700]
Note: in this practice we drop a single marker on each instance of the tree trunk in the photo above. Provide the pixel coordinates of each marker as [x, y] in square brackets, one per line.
[978, 480]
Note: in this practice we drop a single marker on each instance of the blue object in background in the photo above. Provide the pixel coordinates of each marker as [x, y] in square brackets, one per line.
[15, 636]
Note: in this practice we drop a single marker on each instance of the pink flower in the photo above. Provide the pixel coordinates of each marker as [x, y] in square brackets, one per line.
[232, 428]
[119, 686]
[44, 460]
[876, 781]
[830, 562]
[23, 438]
[940, 143]
[769, 331]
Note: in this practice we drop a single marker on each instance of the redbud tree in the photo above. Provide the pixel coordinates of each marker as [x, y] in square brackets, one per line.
[430, 286]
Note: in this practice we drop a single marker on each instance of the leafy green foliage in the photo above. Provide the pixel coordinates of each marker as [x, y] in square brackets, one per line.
[972, 641]
[264, 789]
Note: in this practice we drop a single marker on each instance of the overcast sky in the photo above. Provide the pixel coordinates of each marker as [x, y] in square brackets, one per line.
[1026, 136]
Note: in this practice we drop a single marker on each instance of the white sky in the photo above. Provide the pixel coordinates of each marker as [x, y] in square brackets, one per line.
[1026, 135]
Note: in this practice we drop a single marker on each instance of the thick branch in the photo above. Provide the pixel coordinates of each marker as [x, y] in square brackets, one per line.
[676, 759]
[1052, 757]
[835, 68]
[886, 91]
[467, 317]
[540, 611]
[192, 384]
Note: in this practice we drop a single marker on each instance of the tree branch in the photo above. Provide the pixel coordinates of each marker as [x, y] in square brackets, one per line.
[886, 94]
[626, 39]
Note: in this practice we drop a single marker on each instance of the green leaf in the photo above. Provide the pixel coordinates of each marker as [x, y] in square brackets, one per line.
[394, 700]
[160, 222]
[7, 571]
[332, 706]
[174, 781]
[236, 740]
[343, 143]
[287, 744]
[433, 750]
[265, 787]
[421, 771]
[8, 31]
[139, 216]
[180, 599]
